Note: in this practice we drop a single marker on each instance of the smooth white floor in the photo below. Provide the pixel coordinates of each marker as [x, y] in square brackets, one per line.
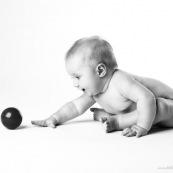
[82, 146]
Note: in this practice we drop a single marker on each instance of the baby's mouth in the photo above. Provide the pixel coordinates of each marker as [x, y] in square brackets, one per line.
[82, 89]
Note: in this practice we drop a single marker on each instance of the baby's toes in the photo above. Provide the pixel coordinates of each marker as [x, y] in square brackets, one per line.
[107, 126]
[103, 119]
[95, 111]
[95, 117]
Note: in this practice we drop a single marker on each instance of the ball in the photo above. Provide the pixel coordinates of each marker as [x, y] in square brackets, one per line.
[11, 118]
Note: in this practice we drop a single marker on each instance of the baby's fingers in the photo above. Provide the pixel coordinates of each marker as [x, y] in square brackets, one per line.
[44, 123]
[139, 131]
[50, 124]
[128, 132]
[39, 123]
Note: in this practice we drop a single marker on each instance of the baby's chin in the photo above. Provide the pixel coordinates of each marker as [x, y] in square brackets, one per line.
[91, 94]
[88, 93]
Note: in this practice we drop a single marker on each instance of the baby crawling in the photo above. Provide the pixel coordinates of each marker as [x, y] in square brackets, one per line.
[127, 118]
[129, 102]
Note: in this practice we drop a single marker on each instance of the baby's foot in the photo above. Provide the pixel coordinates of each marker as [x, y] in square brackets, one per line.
[99, 113]
[110, 123]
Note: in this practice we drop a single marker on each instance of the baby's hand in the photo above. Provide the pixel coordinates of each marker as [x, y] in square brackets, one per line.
[49, 122]
[134, 131]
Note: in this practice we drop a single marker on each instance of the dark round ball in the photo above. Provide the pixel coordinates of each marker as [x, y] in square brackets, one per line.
[11, 118]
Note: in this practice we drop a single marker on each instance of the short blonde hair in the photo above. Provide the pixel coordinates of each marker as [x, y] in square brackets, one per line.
[100, 51]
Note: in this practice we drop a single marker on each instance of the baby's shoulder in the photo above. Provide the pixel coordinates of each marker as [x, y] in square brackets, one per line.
[121, 76]
[122, 80]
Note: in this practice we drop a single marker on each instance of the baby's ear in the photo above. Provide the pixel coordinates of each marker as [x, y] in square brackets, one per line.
[101, 70]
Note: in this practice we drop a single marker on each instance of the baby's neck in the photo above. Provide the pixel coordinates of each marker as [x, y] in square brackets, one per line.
[107, 82]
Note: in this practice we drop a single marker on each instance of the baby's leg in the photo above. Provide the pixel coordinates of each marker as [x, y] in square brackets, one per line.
[99, 113]
[114, 122]
[164, 116]
[119, 122]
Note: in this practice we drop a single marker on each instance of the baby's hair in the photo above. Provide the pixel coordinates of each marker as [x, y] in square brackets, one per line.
[101, 51]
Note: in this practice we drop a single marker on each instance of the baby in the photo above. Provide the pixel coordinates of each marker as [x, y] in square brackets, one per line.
[130, 103]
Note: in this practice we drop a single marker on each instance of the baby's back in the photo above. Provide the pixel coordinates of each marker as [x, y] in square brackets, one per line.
[158, 88]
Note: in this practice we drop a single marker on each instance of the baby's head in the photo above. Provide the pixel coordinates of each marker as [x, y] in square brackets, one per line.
[95, 51]
[92, 58]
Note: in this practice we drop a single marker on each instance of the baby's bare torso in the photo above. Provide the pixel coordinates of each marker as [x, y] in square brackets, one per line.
[113, 102]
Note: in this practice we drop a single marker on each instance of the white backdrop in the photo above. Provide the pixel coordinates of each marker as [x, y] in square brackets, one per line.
[34, 37]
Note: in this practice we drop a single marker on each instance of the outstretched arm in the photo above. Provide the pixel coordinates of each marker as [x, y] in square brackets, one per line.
[66, 113]
[69, 111]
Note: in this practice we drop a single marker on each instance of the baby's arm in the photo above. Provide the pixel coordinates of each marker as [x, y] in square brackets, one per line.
[145, 101]
[69, 111]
